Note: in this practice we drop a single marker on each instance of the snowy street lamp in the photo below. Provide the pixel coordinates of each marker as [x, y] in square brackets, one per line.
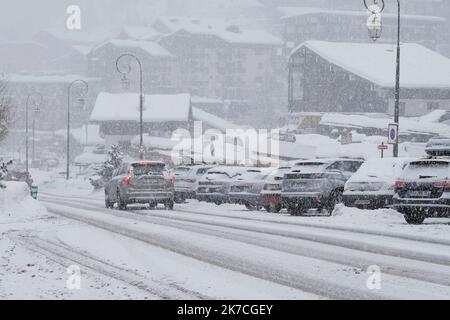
[35, 98]
[375, 28]
[82, 92]
[374, 24]
[124, 68]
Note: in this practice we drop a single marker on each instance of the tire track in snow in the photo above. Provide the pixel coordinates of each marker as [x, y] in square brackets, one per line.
[65, 255]
[307, 235]
[360, 259]
[297, 222]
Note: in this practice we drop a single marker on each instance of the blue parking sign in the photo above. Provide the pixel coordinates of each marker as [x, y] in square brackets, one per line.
[393, 133]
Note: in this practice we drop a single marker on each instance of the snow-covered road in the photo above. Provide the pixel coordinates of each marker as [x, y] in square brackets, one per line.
[203, 251]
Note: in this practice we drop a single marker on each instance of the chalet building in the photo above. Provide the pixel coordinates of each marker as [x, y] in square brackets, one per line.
[53, 109]
[68, 49]
[118, 117]
[360, 77]
[303, 23]
[225, 61]
[159, 70]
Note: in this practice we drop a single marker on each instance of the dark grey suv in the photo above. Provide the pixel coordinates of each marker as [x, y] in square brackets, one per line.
[423, 190]
[144, 182]
[317, 184]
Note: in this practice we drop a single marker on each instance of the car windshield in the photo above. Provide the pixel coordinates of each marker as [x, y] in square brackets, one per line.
[308, 167]
[15, 175]
[178, 171]
[147, 168]
[250, 175]
[427, 170]
[217, 175]
[202, 171]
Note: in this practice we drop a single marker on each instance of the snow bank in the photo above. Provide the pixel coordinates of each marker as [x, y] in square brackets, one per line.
[17, 204]
[368, 217]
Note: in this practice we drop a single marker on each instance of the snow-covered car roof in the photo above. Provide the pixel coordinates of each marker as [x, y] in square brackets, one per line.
[438, 146]
[387, 169]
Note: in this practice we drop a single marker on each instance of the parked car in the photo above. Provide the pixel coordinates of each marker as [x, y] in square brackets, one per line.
[423, 190]
[246, 189]
[16, 175]
[438, 146]
[372, 186]
[186, 181]
[144, 182]
[214, 185]
[271, 192]
[317, 184]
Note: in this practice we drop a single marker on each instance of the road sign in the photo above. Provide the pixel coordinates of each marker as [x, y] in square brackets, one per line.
[382, 147]
[393, 133]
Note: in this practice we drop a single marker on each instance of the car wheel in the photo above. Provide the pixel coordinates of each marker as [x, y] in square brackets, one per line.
[120, 203]
[152, 205]
[218, 203]
[169, 205]
[414, 218]
[336, 197]
[268, 208]
[294, 210]
[277, 208]
[108, 203]
[251, 207]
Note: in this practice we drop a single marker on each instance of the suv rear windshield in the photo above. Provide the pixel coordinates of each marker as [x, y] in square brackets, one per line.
[427, 170]
[147, 168]
[308, 166]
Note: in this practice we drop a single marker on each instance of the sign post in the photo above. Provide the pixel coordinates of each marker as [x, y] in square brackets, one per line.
[393, 134]
[382, 147]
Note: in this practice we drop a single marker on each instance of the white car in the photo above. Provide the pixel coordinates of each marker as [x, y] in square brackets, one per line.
[373, 185]
[186, 180]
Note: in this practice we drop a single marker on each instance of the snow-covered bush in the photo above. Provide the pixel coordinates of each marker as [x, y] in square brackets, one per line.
[105, 171]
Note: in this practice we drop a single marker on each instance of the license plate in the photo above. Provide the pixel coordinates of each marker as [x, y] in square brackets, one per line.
[362, 202]
[420, 194]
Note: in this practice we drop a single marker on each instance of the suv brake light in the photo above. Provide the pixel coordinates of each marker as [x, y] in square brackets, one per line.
[442, 185]
[172, 181]
[127, 180]
[400, 184]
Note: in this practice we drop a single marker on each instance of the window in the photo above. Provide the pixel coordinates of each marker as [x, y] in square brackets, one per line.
[351, 166]
[336, 166]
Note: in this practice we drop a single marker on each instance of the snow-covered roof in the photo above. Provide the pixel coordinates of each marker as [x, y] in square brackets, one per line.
[292, 12]
[140, 33]
[427, 124]
[84, 50]
[150, 47]
[420, 67]
[125, 107]
[78, 36]
[220, 29]
[212, 120]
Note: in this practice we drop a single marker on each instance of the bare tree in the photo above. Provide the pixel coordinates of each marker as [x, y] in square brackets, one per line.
[5, 109]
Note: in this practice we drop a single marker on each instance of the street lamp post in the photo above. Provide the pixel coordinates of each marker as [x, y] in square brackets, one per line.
[375, 34]
[36, 98]
[125, 69]
[81, 94]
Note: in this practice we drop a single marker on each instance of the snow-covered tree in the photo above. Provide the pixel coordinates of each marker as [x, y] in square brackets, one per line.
[113, 161]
